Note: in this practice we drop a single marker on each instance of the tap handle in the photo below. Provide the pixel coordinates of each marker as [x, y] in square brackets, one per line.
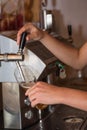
[70, 30]
[44, 3]
[22, 41]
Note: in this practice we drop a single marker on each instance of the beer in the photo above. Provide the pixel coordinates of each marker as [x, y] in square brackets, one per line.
[41, 106]
[26, 86]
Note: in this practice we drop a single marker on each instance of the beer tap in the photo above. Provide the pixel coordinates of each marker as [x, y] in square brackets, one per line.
[70, 39]
[15, 56]
[43, 15]
[44, 3]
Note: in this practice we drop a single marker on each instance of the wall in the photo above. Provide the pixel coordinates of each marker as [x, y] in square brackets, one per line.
[32, 8]
[72, 12]
[14, 13]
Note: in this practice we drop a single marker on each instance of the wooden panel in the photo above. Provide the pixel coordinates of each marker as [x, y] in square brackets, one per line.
[14, 14]
[32, 10]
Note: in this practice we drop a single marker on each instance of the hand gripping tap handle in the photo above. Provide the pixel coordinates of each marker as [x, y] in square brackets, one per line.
[22, 41]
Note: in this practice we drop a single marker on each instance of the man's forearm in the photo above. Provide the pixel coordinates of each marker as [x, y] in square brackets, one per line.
[62, 51]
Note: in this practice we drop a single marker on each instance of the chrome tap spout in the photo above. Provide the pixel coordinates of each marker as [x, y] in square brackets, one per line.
[11, 57]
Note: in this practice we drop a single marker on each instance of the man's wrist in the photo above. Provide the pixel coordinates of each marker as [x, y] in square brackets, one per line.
[43, 35]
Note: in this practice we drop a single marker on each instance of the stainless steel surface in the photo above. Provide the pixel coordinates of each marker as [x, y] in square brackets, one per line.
[17, 114]
[0, 53]
[46, 17]
[9, 45]
[11, 106]
[20, 71]
[50, 78]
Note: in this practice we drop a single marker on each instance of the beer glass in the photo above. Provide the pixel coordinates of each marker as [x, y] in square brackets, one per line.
[26, 79]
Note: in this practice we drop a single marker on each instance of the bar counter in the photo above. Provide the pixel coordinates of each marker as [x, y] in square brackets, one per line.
[62, 117]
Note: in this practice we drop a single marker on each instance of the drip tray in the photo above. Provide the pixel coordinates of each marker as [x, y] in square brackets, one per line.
[73, 120]
[73, 123]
